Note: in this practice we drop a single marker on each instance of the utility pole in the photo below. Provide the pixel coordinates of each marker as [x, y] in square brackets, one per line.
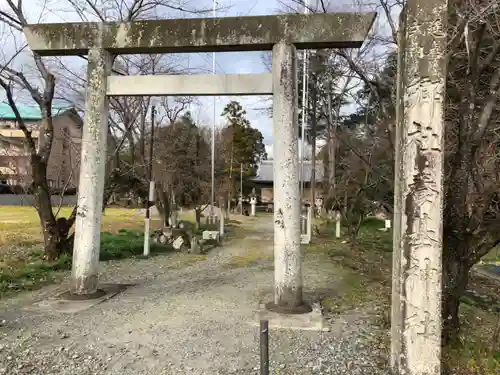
[331, 145]
[150, 201]
[241, 186]
[313, 144]
[304, 114]
[212, 192]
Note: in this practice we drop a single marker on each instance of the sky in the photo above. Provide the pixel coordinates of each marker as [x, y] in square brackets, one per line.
[226, 63]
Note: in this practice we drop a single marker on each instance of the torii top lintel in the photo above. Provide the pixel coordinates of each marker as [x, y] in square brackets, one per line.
[255, 33]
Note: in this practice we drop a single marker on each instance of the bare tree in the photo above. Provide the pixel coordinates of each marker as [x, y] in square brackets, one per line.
[55, 232]
[41, 88]
[471, 207]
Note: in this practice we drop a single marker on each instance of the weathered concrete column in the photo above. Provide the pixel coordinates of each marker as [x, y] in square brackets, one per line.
[416, 313]
[287, 256]
[84, 276]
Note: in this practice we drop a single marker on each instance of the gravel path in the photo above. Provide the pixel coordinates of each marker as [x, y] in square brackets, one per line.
[181, 318]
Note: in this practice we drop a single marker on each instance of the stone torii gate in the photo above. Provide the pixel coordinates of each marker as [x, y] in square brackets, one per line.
[417, 247]
[282, 34]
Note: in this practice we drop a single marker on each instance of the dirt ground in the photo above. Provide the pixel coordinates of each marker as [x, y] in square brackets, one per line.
[189, 316]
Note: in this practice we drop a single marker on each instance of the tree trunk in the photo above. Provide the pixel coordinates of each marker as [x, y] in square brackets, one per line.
[326, 181]
[457, 248]
[455, 280]
[331, 201]
[226, 209]
[197, 212]
[223, 208]
[173, 211]
[163, 205]
[313, 150]
[130, 140]
[55, 232]
[142, 144]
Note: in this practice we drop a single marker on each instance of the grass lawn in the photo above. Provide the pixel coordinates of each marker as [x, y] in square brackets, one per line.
[367, 282]
[21, 244]
[493, 257]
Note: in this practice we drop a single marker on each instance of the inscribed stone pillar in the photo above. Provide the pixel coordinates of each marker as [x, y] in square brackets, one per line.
[84, 276]
[287, 257]
[396, 311]
[416, 313]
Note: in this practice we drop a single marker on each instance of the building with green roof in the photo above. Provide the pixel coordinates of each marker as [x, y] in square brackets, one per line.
[28, 113]
[63, 167]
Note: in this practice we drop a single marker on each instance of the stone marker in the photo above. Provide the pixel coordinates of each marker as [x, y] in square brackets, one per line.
[221, 223]
[196, 247]
[178, 242]
[309, 219]
[387, 224]
[338, 218]
[174, 216]
[303, 224]
[304, 239]
[253, 203]
[418, 188]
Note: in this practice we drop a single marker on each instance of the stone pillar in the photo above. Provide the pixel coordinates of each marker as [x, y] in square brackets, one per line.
[221, 222]
[253, 203]
[174, 216]
[309, 222]
[416, 310]
[337, 224]
[84, 275]
[287, 256]
[387, 224]
[396, 316]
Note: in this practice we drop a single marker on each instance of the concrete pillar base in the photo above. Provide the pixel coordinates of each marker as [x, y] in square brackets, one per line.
[84, 286]
[69, 296]
[287, 309]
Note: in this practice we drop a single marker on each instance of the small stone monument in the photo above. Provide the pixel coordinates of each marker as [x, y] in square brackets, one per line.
[196, 247]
